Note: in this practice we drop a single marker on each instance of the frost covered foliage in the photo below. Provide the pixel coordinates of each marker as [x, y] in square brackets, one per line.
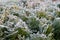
[30, 20]
[56, 25]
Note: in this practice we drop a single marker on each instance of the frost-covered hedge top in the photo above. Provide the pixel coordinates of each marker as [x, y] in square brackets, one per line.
[25, 20]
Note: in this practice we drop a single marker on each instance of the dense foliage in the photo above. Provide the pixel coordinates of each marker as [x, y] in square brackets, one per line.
[56, 25]
[30, 20]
